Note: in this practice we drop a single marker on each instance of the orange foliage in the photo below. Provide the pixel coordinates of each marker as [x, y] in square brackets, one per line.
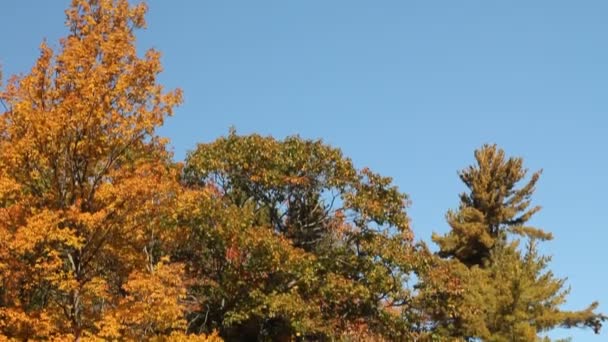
[86, 187]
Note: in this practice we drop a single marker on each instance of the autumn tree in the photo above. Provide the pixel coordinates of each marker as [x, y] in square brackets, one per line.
[104, 237]
[86, 187]
[308, 244]
[506, 291]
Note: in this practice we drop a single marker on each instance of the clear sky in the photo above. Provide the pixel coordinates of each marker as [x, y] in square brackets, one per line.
[407, 88]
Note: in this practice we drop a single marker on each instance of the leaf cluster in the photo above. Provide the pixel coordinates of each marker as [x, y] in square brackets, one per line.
[104, 237]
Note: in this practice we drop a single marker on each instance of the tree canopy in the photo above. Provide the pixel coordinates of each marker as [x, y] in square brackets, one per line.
[103, 236]
[516, 296]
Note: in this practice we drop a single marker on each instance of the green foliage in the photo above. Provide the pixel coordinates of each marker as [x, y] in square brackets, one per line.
[341, 238]
[493, 208]
[506, 293]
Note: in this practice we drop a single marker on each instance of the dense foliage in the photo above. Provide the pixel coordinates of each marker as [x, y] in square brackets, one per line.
[104, 237]
[513, 293]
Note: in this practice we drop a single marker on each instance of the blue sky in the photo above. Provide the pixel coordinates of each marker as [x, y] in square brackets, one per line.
[407, 88]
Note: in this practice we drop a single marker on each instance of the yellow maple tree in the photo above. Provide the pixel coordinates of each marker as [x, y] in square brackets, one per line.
[86, 187]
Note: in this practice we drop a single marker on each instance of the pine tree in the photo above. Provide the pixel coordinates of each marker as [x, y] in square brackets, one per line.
[492, 209]
[513, 293]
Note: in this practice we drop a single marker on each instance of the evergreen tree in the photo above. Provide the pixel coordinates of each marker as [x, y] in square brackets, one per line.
[493, 208]
[511, 291]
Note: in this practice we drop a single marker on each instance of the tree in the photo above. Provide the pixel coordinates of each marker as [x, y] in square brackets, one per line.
[104, 237]
[86, 186]
[506, 294]
[493, 209]
[309, 244]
